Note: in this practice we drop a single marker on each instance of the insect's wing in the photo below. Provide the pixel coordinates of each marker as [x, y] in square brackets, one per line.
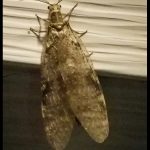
[84, 91]
[94, 119]
[58, 120]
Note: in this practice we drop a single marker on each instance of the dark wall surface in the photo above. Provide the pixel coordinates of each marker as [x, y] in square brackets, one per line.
[22, 121]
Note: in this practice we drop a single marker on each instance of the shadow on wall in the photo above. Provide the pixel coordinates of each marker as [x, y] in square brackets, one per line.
[23, 129]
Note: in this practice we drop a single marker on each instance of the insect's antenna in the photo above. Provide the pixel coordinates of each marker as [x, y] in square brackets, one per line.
[58, 2]
[44, 1]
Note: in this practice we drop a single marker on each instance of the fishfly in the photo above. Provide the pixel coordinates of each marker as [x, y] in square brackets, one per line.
[70, 87]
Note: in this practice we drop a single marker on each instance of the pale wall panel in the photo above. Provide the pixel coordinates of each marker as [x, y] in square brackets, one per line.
[117, 32]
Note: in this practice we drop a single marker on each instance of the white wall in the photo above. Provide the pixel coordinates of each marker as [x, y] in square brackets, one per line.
[117, 32]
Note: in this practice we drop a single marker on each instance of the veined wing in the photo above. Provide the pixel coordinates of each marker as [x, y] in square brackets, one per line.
[84, 92]
[98, 128]
[58, 119]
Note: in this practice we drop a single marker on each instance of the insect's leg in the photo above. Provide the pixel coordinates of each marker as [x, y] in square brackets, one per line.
[70, 12]
[89, 54]
[39, 31]
[80, 33]
[35, 32]
[83, 33]
[68, 15]
[39, 18]
[31, 29]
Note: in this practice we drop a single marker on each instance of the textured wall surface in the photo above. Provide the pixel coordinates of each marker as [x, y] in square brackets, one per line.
[116, 32]
[22, 121]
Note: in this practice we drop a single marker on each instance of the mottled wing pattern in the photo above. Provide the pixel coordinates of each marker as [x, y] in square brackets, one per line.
[84, 93]
[58, 119]
[102, 130]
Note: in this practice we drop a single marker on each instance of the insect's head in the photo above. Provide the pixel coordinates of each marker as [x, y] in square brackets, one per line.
[55, 16]
[54, 11]
[54, 7]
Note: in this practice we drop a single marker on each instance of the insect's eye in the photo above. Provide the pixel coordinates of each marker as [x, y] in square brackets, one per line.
[48, 7]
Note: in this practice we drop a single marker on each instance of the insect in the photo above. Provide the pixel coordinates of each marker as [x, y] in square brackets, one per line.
[70, 86]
